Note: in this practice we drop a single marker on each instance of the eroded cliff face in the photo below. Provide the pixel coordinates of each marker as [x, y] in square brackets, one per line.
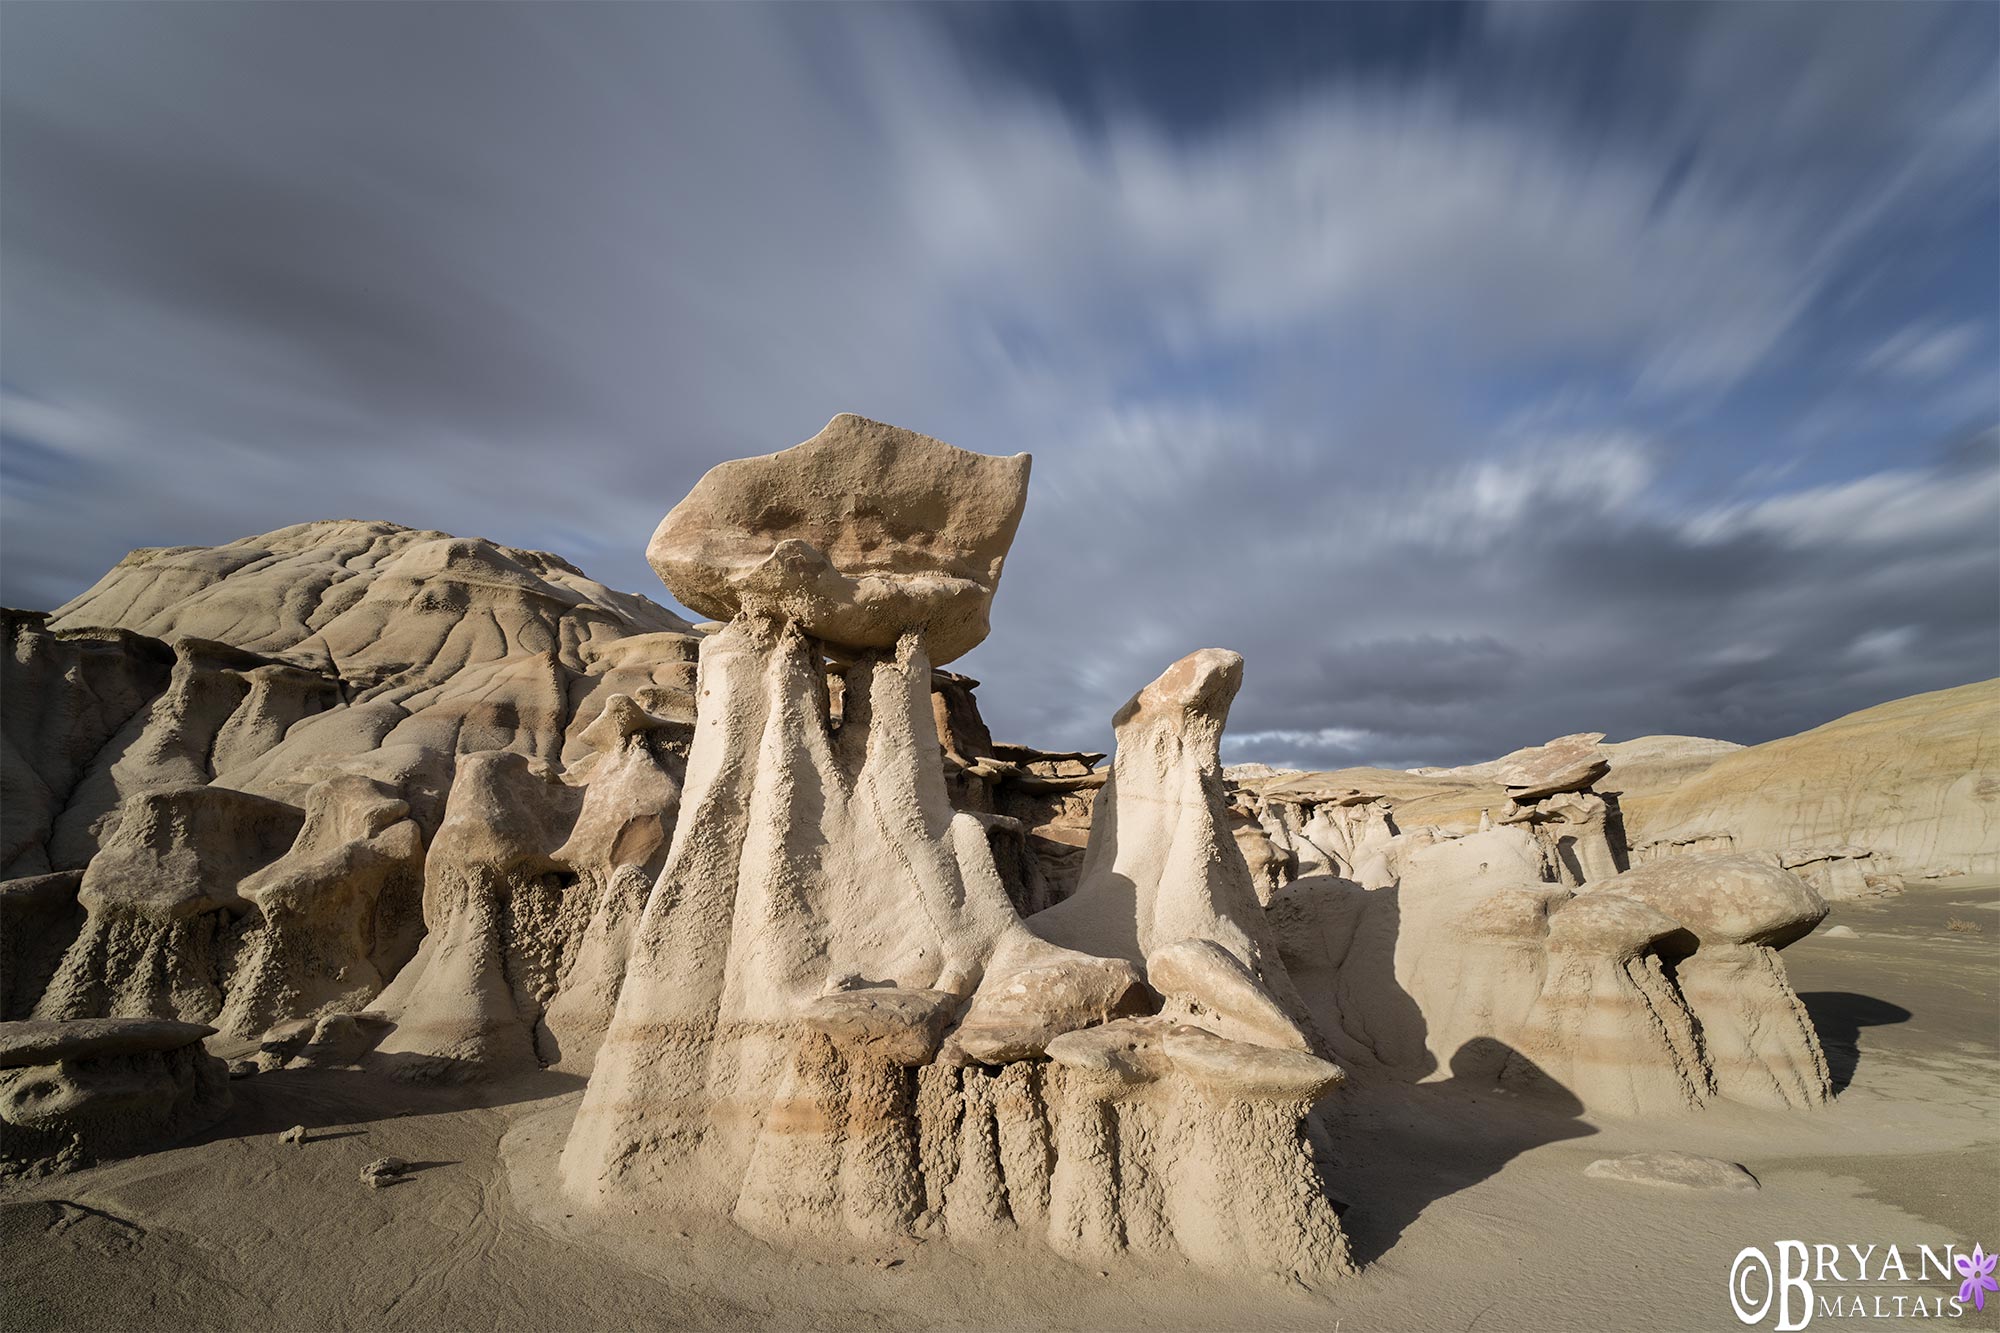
[236, 762]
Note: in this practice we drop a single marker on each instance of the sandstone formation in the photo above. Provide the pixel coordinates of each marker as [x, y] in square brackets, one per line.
[1568, 763]
[1035, 804]
[1162, 881]
[856, 536]
[1319, 824]
[74, 1093]
[1455, 799]
[1309, 830]
[234, 823]
[1636, 995]
[1907, 789]
[834, 1022]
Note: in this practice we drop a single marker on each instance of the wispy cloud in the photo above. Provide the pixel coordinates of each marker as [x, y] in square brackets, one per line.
[1924, 352]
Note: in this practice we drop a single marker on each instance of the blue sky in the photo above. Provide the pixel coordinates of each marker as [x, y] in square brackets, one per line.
[1480, 373]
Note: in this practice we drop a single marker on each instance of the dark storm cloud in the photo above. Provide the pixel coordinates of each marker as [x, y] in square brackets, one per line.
[1481, 374]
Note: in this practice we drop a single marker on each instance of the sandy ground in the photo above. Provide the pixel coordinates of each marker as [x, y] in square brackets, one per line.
[1469, 1207]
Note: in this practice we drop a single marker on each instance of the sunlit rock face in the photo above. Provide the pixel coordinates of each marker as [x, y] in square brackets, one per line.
[238, 826]
[857, 536]
[834, 1022]
[1909, 788]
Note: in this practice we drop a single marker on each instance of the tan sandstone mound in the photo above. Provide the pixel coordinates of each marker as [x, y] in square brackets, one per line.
[1637, 995]
[1908, 788]
[252, 803]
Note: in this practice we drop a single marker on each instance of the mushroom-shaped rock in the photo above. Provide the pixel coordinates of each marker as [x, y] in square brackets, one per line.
[181, 851]
[1610, 926]
[1245, 1070]
[73, 1093]
[1568, 763]
[1724, 899]
[903, 1026]
[160, 901]
[858, 534]
[1756, 1034]
[48, 1043]
[1016, 1014]
[1213, 986]
[340, 911]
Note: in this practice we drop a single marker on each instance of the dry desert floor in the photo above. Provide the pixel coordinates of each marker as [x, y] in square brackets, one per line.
[1468, 1208]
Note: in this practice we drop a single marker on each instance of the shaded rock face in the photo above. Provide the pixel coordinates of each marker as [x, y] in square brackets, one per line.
[63, 697]
[856, 536]
[1035, 804]
[40, 918]
[1638, 995]
[76, 1093]
[163, 904]
[531, 891]
[340, 911]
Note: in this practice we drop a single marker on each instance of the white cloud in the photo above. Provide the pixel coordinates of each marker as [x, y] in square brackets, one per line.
[1924, 351]
[79, 431]
[1901, 507]
[1883, 644]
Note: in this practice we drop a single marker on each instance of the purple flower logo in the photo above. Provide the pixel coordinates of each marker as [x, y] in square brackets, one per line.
[1978, 1270]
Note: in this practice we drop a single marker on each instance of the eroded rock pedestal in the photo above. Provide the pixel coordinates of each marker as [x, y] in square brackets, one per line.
[833, 1021]
[1655, 990]
[75, 1093]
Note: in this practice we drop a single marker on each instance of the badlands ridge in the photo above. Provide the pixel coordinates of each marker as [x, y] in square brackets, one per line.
[840, 969]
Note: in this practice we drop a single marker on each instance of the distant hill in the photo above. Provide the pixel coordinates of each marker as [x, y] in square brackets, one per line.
[1914, 782]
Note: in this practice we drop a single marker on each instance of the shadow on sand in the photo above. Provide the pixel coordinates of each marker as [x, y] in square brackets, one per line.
[1400, 1147]
[337, 1103]
[1838, 1016]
